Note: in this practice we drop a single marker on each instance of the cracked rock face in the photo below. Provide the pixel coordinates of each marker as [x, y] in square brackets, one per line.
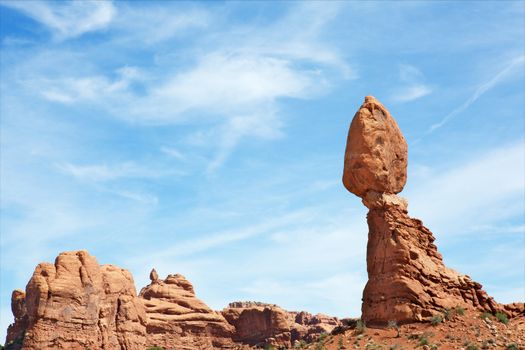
[77, 304]
[407, 279]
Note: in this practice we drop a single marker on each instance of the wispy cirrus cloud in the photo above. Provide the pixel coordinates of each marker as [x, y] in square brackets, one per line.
[235, 87]
[67, 19]
[481, 90]
[411, 86]
[110, 172]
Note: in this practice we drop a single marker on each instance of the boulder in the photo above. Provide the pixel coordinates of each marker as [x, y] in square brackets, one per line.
[376, 152]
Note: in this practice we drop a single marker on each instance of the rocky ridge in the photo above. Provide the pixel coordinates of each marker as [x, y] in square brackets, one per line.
[76, 303]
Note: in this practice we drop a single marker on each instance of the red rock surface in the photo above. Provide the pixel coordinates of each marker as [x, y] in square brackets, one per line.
[16, 331]
[376, 152]
[260, 324]
[407, 279]
[77, 304]
[177, 319]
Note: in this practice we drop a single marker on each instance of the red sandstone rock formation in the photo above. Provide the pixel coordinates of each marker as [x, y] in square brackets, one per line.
[178, 320]
[376, 152]
[77, 304]
[16, 331]
[407, 279]
[267, 324]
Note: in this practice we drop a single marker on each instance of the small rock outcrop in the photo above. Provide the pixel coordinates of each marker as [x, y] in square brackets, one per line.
[260, 324]
[407, 279]
[16, 331]
[177, 319]
[77, 304]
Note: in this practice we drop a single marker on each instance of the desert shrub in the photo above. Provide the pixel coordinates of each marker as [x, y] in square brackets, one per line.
[340, 344]
[156, 348]
[485, 315]
[436, 319]
[512, 346]
[300, 344]
[269, 347]
[449, 314]
[471, 346]
[459, 310]
[319, 346]
[423, 340]
[373, 346]
[393, 325]
[502, 317]
[322, 337]
[360, 327]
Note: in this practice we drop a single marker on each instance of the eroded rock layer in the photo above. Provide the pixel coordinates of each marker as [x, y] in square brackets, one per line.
[263, 324]
[177, 319]
[77, 304]
[407, 279]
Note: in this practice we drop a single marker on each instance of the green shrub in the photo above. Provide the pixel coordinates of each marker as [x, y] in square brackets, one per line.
[460, 311]
[300, 344]
[393, 325]
[512, 346]
[319, 346]
[322, 337]
[436, 319]
[423, 341]
[502, 317]
[156, 348]
[373, 346]
[485, 315]
[340, 344]
[471, 346]
[360, 327]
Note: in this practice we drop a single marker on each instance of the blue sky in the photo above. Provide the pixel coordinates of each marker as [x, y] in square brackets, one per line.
[207, 139]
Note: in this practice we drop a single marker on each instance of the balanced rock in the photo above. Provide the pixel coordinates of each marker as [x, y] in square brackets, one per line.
[407, 279]
[376, 152]
[77, 304]
[177, 319]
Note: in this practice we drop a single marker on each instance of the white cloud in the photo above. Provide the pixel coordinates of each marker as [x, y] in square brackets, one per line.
[480, 90]
[104, 172]
[492, 184]
[90, 88]
[134, 23]
[412, 86]
[68, 19]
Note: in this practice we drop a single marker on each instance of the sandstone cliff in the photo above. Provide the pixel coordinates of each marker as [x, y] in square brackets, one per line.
[77, 304]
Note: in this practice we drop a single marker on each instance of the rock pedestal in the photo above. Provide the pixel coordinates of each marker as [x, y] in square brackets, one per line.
[407, 279]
